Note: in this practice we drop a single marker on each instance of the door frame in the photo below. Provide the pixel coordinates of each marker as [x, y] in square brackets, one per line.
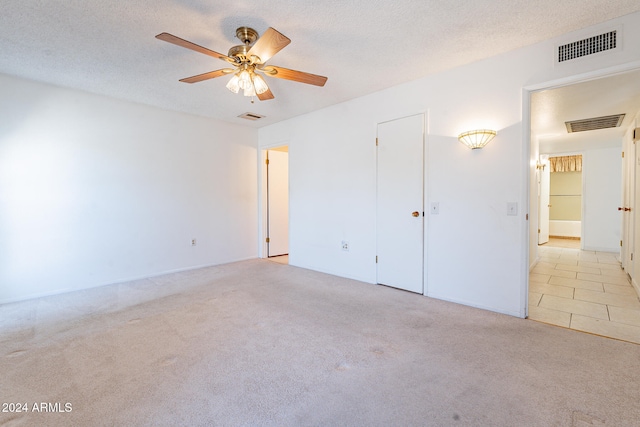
[263, 249]
[425, 132]
[271, 154]
[529, 162]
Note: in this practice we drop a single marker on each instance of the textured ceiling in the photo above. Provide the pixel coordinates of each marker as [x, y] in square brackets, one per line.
[550, 109]
[362, 46]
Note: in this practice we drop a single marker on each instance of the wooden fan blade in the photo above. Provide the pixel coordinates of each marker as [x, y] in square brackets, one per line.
[296, 76]
[270, 43]
[265, 95]
[170, 38]
[207, 76]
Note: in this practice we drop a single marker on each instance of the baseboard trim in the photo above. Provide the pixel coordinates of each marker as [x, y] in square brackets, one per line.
[475, 305]
[636, 286]
[534, 263]
[118, 281]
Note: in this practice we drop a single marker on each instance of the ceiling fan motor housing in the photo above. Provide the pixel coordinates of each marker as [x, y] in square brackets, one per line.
[238, 51]
[248, 36]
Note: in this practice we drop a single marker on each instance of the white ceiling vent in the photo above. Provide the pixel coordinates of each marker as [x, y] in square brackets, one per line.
[595, 123]
[588, 46]
[251, 116]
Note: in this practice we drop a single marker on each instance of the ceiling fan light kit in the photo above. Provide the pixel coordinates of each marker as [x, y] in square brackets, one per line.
[248, 59]
[247, 80]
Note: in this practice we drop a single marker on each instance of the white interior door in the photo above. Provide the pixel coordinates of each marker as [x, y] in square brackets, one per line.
[544, 201]
[627, 204]
[631, 212]
[400, 210]
[634, 270]
[278, 202]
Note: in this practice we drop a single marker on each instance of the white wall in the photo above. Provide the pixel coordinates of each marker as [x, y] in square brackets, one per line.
[475, 253]
[95, 190]
[565, 228]
[602, 172]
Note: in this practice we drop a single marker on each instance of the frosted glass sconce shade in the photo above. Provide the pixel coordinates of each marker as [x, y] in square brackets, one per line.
[477, 138]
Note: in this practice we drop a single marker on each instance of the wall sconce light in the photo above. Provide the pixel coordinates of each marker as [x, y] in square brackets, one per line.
[477, 138]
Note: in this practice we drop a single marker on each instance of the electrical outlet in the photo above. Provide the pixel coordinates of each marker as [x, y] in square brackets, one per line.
[193, 242]
[345, 246]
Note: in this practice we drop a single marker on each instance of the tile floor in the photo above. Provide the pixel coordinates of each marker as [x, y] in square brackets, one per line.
[583, 290]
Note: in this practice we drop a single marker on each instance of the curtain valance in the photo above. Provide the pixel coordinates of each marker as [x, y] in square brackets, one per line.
[566, 163]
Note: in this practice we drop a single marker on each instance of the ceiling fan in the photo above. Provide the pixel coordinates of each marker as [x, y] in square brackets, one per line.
[249, 61]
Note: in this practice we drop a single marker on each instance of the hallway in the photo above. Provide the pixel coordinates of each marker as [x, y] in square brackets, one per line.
[584, 290]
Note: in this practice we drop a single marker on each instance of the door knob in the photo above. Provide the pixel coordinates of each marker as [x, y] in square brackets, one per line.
[627, 209]
[619, 208]
[416, 213]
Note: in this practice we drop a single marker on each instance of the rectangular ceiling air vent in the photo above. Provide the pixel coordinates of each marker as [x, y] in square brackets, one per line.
[588, 46]
[595, 123]
[251, 116]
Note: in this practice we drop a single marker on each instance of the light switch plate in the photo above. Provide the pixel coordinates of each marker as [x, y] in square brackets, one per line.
[435, 208]
[512, 208]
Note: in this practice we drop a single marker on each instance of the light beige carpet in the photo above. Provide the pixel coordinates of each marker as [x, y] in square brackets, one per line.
[259, 343]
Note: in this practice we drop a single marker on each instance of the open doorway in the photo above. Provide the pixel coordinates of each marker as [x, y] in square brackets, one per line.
[586, 289]
[560, 200]
[276, 178]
